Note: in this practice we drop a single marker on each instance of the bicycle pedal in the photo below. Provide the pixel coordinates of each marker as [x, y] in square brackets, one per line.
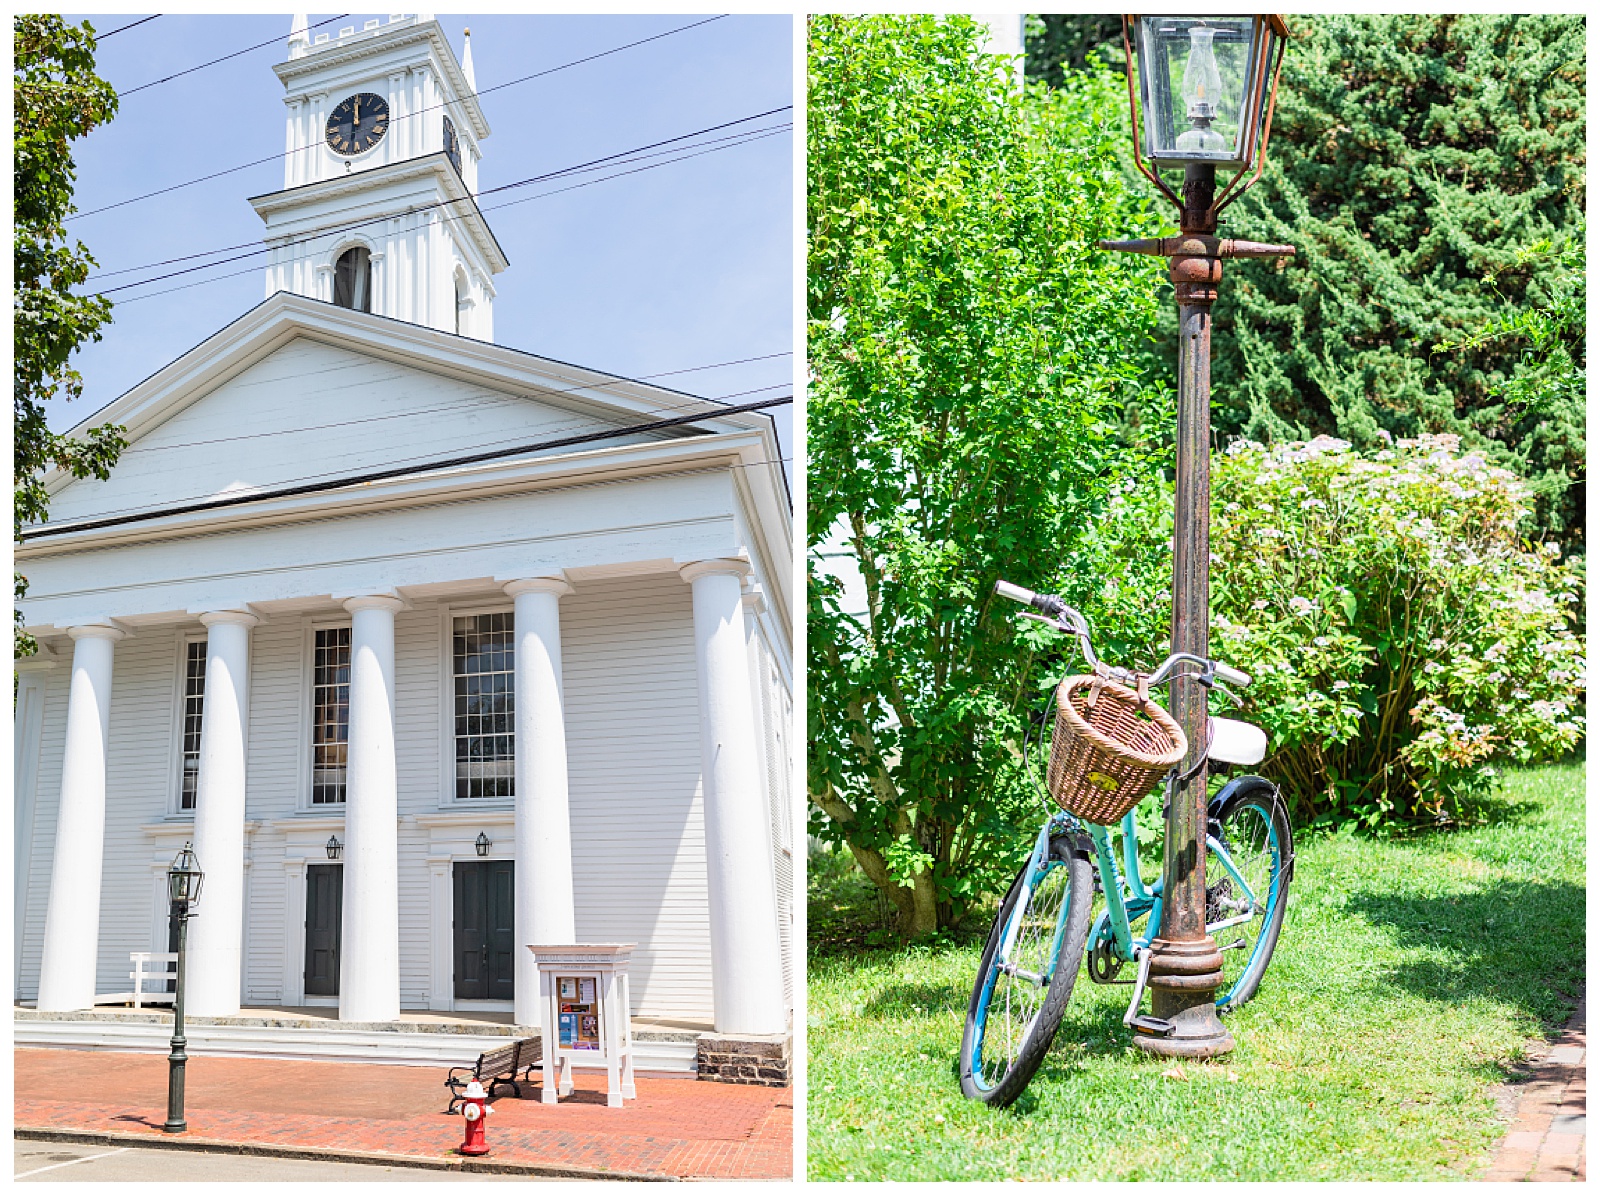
[1154, 1026]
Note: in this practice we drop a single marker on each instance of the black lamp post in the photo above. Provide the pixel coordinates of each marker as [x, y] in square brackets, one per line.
[183, 890]
[1207, 87]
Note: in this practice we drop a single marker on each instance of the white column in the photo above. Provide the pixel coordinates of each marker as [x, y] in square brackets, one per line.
[369, 950]
[72, 921]
[746, 963]
[545, 912]
[216, 930]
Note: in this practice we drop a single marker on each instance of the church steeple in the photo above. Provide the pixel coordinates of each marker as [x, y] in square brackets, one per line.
[382, 143]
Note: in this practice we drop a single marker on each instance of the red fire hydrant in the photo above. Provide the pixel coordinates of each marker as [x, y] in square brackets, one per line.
[474, 1107]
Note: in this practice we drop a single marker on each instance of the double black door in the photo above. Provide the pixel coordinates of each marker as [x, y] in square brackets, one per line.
[485, 949]
[324, 910]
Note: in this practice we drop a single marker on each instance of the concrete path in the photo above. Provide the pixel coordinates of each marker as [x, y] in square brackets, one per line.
[1546, 1142]
[394, 1115]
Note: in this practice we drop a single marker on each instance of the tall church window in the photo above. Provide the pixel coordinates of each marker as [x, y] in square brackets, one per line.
[461, 303]
[330, 715]
[352, 279]
[483, 649]
[194, 694]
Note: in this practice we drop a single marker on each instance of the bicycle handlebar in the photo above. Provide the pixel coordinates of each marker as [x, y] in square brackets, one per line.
[1061, 616]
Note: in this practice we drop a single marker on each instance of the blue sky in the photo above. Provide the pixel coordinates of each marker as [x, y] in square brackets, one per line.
[680, 266]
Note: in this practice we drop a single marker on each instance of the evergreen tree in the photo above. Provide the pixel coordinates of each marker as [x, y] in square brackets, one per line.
[1430, 170]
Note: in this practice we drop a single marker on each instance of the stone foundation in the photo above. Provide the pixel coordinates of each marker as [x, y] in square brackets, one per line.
[760, 1059]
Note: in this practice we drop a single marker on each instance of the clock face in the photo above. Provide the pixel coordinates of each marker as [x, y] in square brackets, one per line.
[358, 123]
[452, 147]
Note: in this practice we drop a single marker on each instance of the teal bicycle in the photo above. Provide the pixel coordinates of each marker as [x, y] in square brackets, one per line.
[1076, 895]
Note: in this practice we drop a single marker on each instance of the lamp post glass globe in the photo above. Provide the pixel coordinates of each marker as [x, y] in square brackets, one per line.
[1203, 86]
[184, 878]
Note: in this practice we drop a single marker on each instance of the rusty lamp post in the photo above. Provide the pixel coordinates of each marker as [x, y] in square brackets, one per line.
[1207, 86]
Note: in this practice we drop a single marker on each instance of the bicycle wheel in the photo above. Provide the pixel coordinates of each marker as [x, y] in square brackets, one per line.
[1017, 1004]
[1253, 827]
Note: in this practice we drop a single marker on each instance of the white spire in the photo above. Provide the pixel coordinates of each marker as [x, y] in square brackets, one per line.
[466, 59]
[299, 36]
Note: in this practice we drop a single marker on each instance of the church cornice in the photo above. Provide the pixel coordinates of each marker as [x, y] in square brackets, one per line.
[435, 167]
[362, 46]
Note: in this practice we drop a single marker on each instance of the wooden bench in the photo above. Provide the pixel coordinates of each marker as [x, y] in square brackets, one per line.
[501, 1065]
[140, 975]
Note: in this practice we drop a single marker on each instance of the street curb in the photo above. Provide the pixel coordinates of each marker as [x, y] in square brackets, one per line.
[268, 1150]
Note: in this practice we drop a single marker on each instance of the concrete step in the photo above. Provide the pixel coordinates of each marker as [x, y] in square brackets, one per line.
[402, 1048]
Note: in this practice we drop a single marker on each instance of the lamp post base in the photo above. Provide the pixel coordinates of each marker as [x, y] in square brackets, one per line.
[1184, 977]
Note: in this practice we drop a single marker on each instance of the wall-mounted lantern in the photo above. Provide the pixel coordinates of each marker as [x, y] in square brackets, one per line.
[483, 843]
[334, 848]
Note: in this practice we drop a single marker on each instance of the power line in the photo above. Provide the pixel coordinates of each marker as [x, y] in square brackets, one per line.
[100, 37]
[215, 61]
[744, 141]
[327, 231]
[496, 445]
[474, 406]
[315, 145]
[378, 476]
[591, 165]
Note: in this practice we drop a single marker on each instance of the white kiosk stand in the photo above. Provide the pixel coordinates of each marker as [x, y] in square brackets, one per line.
[584, 1017]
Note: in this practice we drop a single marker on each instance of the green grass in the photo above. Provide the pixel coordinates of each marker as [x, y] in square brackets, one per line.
[1409, 976]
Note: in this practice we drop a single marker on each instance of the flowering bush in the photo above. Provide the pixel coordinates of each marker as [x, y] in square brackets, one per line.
[1402, 638]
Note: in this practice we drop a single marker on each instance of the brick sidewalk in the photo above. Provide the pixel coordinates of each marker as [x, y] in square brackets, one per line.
[1546, 1141]
[678, 1128]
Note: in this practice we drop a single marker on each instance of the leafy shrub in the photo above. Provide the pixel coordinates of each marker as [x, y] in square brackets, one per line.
[1403, 639]
[969, 348]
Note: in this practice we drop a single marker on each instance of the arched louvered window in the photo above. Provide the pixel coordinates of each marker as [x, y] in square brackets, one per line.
[352, 279]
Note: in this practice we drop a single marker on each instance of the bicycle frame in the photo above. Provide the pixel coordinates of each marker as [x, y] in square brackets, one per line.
[1128, 897]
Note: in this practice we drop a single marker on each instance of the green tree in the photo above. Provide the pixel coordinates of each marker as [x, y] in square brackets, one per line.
[970, 357]
[1062, 42]
[1412, 157]
[57, 97]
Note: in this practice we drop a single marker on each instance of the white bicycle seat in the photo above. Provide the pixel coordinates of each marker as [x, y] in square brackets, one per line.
[1236, 742]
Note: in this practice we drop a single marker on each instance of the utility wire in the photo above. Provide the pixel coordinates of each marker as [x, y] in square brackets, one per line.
[395, 472]
[326, 231]
[496, 445]
[121, 95]
[744, 141]
[100, 37]
[317, 145]
[592, 165]
[473, 406]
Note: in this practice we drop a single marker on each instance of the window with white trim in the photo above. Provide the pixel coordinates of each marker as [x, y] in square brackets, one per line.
[194, 695]
[330, 714]
[483, 652]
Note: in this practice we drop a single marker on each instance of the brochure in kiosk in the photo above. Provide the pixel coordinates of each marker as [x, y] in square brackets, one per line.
[579, 1015]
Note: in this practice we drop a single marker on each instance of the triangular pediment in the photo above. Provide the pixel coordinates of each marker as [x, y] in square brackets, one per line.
[299, 392]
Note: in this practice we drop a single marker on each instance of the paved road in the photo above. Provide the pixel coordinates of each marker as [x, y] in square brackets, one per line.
[84, 1162]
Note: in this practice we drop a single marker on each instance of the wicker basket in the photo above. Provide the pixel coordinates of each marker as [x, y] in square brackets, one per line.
[1112, 745]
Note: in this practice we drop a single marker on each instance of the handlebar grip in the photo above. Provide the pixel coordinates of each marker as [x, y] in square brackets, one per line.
[1229, 675]
[1012, 592]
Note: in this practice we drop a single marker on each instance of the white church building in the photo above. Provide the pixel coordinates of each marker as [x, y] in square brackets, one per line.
[431, 647]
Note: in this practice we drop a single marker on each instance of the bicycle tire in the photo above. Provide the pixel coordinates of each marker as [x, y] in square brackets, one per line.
[1251, 820]
[1019, 1065]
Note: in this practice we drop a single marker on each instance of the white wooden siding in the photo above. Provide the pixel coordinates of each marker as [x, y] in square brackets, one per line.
[47, 800]
[311, 408]
[633, 758]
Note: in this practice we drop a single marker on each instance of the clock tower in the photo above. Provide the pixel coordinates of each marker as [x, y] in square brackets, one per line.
[381, 150]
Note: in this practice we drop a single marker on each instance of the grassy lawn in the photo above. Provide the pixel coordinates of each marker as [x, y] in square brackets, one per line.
[1408, 978]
